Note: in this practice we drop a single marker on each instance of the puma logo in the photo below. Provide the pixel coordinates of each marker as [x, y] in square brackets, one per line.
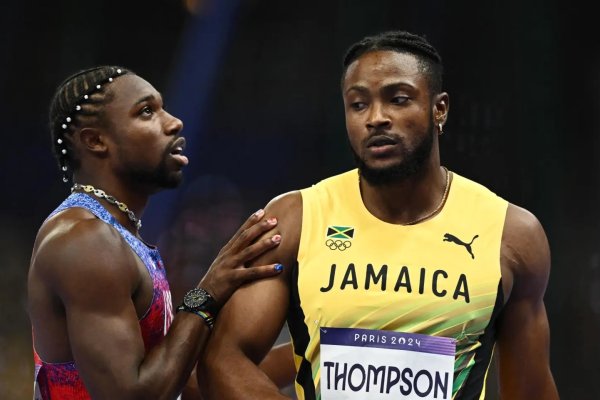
[451, 238]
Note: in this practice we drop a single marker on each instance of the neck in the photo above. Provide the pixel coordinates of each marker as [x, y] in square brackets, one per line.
[411, 200]
[134, 201]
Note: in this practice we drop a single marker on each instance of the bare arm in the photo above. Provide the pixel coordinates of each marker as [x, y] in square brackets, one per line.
[279, 365]
[96, 276]
[524, 334]
[251, 321]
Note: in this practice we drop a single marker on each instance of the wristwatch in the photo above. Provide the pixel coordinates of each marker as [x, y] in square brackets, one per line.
[201, 303]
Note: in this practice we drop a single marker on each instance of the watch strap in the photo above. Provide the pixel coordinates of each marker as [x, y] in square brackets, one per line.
[210, 306]
[209, 320]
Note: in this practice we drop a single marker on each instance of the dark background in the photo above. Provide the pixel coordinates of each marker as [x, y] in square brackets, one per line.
[257, 85]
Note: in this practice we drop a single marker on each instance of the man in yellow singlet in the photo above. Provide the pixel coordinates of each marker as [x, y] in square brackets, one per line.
[402, 276]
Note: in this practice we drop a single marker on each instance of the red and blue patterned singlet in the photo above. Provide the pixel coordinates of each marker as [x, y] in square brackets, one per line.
[61, 380]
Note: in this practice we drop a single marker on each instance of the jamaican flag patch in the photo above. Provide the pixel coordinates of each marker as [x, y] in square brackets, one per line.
[340, 232]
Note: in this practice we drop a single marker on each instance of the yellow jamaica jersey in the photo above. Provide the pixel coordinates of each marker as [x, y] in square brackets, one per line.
[390, 286]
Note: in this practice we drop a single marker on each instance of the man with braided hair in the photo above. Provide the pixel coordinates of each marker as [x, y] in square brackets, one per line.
[401, 276]
[99, 302]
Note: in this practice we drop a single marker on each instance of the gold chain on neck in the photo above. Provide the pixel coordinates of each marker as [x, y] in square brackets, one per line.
[111, 199]
[439, 207]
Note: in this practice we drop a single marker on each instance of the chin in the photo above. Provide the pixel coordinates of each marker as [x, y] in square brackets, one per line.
[386, 174]
[165, 181]
[173, 181]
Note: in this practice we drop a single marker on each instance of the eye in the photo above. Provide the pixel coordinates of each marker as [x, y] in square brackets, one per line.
[146, 111]
[358, 105]
[400, 99]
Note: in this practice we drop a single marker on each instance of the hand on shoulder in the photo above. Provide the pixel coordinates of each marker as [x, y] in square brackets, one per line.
[288, 209]
[231, 268]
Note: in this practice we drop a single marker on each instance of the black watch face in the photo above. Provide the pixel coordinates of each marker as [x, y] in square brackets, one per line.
[195, 298]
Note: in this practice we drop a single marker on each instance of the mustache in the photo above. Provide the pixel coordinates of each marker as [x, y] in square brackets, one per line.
[177, 141]
[381, 136]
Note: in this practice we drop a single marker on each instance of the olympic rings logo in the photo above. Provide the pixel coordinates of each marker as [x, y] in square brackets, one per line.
[340, 245]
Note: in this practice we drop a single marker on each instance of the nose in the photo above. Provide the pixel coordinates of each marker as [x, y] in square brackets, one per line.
[377, 117]
[173, 125]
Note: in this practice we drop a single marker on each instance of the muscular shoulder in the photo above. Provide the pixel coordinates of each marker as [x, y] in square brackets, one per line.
[74, 249]
[288, 205]
[525, 250]
[287, 208]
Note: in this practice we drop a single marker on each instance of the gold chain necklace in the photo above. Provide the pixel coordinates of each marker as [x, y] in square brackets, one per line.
[439, 207]
[111, 199]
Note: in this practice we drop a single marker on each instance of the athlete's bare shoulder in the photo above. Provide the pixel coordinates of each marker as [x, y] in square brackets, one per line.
[525, 252]
[290, 203]
[74, 243]
[523, 325]
[287, 208]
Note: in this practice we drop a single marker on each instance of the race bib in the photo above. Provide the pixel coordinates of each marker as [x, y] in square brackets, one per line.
[370, 364]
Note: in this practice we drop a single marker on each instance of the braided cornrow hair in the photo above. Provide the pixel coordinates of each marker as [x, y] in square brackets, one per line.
[79, 100]
[402, 42]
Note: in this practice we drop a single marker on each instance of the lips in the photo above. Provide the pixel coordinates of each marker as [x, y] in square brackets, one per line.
[177, 151]
[381, 140]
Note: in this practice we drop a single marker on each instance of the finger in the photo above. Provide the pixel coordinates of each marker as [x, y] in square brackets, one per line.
[252, 219]
[250, 235]
[259, 272]
[256, 249]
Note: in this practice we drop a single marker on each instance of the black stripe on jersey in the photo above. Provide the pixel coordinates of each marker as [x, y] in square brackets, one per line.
[473, 386]
[300, 338]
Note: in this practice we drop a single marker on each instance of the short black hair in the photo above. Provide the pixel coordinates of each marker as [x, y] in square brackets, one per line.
[78, 101]
[402, 42]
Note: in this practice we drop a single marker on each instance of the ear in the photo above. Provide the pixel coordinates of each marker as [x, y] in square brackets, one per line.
[93, 140]
[441, 106]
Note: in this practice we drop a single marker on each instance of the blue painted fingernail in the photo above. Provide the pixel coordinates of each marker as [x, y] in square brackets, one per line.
[278, 267]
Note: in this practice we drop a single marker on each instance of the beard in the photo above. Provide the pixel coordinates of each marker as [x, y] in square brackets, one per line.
[160, 177]
[164, 177]
[410, 164]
